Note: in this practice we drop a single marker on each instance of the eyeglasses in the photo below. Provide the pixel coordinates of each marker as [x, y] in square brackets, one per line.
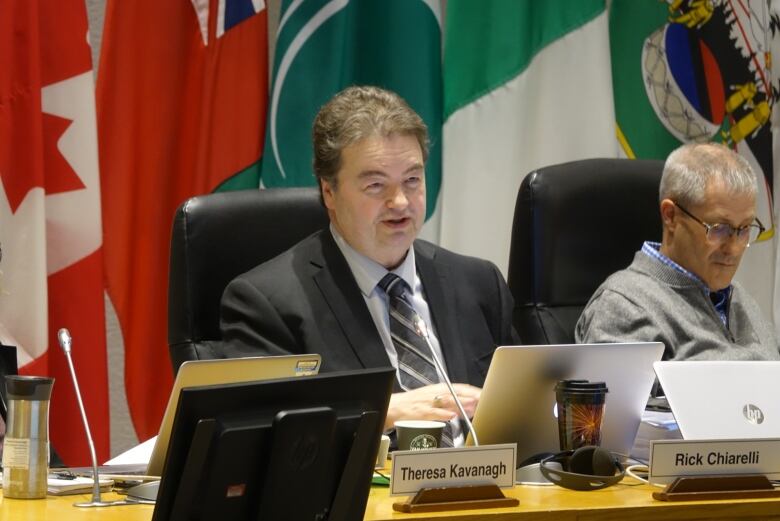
[721, 232]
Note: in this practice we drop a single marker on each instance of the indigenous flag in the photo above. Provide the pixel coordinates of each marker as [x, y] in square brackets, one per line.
[526, 84]
[323, 47]
[181, 96]
[702, 71]
[50, 212]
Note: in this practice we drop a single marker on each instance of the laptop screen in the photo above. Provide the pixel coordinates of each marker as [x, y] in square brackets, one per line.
[198, 373]
[518, 400]
[723, 399]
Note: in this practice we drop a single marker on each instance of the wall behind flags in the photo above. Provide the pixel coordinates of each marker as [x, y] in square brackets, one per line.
[491, 135]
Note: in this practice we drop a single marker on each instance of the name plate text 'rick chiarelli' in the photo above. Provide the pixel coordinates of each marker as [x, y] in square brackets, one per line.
[670, 459]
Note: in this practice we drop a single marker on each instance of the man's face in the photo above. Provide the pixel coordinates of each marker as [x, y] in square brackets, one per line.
[378, 201]
[715, 263]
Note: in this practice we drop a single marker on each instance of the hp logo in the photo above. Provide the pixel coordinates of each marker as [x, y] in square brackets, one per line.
[753, 414]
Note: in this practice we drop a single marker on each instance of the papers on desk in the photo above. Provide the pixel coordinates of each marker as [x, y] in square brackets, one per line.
[656, 425]
[78, 485]
[128, 466]
[660, 419]
[138, 454]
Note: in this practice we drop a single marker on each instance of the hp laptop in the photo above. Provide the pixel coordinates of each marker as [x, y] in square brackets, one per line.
[723, 400]
[518, 399]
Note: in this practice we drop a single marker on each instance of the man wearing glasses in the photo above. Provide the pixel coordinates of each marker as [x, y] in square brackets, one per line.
[680, 292]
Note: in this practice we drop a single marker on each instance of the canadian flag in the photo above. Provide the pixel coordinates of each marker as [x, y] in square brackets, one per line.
[50, 226]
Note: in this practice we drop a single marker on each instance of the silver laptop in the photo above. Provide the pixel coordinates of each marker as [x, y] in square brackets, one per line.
[224, 371]
[723, 400]
[518, 399]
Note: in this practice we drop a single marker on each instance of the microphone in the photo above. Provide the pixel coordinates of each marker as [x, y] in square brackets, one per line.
[65, 340]
[422, 330]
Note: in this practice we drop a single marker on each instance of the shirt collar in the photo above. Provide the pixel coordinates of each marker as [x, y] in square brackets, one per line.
[368, 272]
[653, 250]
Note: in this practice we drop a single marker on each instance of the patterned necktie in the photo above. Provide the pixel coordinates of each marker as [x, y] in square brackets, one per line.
[416, 367]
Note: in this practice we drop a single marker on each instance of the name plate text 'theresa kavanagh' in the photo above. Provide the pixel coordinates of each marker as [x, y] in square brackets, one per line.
[417, 469]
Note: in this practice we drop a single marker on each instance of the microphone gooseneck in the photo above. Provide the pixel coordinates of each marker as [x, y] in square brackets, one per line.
[65, 343]
[422, 330]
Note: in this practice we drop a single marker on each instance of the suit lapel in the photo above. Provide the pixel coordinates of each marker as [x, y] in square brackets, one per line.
[441, 304]
[342, 294]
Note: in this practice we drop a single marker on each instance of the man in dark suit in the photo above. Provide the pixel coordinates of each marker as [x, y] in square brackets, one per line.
[333, 292]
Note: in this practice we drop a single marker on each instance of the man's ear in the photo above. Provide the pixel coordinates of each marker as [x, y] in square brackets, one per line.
[327, 190]
[668, 214]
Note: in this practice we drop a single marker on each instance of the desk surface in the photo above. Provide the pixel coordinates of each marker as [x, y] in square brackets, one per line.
[60, 508]
[627, 500]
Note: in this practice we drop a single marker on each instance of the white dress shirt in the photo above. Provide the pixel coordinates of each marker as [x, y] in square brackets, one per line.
[368, 273]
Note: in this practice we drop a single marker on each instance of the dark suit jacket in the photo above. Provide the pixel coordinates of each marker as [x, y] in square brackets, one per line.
[307, 301]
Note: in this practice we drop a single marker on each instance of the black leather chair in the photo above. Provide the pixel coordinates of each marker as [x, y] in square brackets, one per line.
[216, 238]
[574, 225]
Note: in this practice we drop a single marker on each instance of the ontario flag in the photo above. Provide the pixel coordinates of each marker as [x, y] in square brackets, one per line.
[181, 97]
[50, 212]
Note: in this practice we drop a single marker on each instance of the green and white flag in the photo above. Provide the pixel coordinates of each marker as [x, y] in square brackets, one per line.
[324, 46]
[527, 84]
[702, 71]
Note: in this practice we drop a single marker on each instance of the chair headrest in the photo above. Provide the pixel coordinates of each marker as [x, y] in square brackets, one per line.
[576, 223]
[217, 237]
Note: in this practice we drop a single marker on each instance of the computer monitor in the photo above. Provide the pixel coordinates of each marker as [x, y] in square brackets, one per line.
[279, 450]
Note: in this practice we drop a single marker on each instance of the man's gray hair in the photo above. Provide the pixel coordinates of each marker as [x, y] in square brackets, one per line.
[357, 113]
[690, 167]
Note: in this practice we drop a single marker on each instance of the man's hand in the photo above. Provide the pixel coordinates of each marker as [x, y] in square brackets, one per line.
[432, 402]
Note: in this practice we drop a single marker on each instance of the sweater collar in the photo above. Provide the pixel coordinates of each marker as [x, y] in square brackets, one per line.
[668, 270]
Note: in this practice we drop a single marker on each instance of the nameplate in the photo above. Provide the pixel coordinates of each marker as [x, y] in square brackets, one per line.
[670, 459]
[417, 469]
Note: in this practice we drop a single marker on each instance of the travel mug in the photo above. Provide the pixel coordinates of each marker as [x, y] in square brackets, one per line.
[26, 447]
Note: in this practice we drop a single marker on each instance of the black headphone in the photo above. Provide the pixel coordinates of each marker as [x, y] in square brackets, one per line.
[587, 468]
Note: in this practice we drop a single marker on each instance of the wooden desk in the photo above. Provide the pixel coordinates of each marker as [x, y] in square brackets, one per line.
[60, 508]
[621, 502]
[627, 500]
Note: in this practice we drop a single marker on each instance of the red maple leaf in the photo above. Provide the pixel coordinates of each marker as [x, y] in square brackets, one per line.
[32, 158]
[59, 175]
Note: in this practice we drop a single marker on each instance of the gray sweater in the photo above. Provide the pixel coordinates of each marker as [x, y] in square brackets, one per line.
[649, 301]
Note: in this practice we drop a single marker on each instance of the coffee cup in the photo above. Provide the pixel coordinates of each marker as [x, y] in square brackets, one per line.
[381, 455]
[580, 406]
[418, 434]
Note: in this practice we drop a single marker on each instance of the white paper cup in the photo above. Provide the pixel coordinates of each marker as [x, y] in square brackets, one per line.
[384, 447]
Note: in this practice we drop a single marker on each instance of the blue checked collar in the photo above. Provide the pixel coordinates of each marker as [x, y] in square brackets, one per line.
[720, 298]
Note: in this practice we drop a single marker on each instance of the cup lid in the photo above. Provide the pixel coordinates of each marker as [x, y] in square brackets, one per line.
[581, 386]
[419, 424]
[28, 387]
